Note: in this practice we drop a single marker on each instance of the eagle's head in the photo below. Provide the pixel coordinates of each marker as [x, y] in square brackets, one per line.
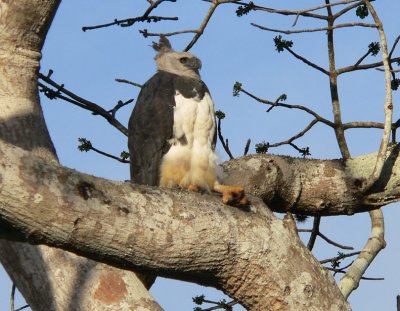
[179, 63]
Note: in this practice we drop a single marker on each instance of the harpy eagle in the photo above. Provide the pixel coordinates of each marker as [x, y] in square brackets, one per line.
[172, 131]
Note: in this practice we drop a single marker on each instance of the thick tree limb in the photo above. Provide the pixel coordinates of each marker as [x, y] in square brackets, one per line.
[316, 187]
[243, 252]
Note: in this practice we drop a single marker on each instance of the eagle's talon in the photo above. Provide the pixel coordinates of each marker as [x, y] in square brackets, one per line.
[193, 188]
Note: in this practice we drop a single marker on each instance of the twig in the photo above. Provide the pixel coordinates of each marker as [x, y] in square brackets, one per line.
[218, 305]
[362, 278]
[398, 302]
[203, 25]
[306, 61]
[130, 21]
[392, 71]
[304, 12]
[247, 147]
[365, 67]
[86, 145]
[12, 298]
[298, 107]
[324, 237]
[221, 139]
[297, 136]
[146, 34]
[374, 245]
[118, 106]
[129, 82]
[314, 232]
[394, 47]
[79, 101]
[329, 28]
[342, 256]
[109, 155]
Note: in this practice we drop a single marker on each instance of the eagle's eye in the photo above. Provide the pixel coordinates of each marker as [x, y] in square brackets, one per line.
[184, 60]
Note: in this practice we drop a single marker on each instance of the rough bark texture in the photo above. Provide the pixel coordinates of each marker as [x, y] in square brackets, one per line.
[316, 187]
[251, 255]
[39, 271]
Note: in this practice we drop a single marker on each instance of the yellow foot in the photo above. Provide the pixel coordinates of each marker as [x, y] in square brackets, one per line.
[231, 195]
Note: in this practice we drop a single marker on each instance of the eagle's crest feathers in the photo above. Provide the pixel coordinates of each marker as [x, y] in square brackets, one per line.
[179, 63]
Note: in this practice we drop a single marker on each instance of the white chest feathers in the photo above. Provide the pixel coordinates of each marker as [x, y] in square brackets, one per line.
[191, 160]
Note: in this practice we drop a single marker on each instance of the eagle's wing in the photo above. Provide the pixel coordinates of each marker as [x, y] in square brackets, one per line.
[151, 128]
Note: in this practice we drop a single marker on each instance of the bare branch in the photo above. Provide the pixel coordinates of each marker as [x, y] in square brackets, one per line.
[388, 106]
[299, 107]
[118, 106]
[203, 25]
[375, 244]
[339, 131]
[146, 34]
[346, 9]
[79, 101]
[394, 47]
[221, 139]
[314, 232]
[86, 145]
[247, 147]
[363, 278]
[364, 67]
[12, 298]
[340, 257]
[297, 136]
[391, 71]
[304, 12]
[288, 32]
[129, 82]
[329, 241]
[360, 124]
[130, 21]
[198, 32]
[306, 61]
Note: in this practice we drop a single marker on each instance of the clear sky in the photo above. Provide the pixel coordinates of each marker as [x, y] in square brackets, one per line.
[231, 50]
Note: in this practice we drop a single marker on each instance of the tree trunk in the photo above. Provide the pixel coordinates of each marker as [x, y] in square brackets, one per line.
[49, 279]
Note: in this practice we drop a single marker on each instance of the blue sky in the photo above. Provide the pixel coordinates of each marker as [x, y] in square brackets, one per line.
[231, 50]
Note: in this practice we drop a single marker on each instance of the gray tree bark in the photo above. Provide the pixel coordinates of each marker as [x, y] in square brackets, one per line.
[252, 256]
[48, 278]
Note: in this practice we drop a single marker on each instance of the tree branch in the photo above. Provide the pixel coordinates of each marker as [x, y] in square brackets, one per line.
[280, 104]
[93, 207]
[80, 102]
[329, 28]
[375, 244]
[339, 131]
[130, 21]
[314, 232]
[388, 106]
[336, 190]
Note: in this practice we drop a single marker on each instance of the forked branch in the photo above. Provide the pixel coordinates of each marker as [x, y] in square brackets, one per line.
[62, 93]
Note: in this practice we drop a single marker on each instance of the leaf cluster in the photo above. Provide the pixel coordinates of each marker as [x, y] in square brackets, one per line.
[244, 9]
[281, 44]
